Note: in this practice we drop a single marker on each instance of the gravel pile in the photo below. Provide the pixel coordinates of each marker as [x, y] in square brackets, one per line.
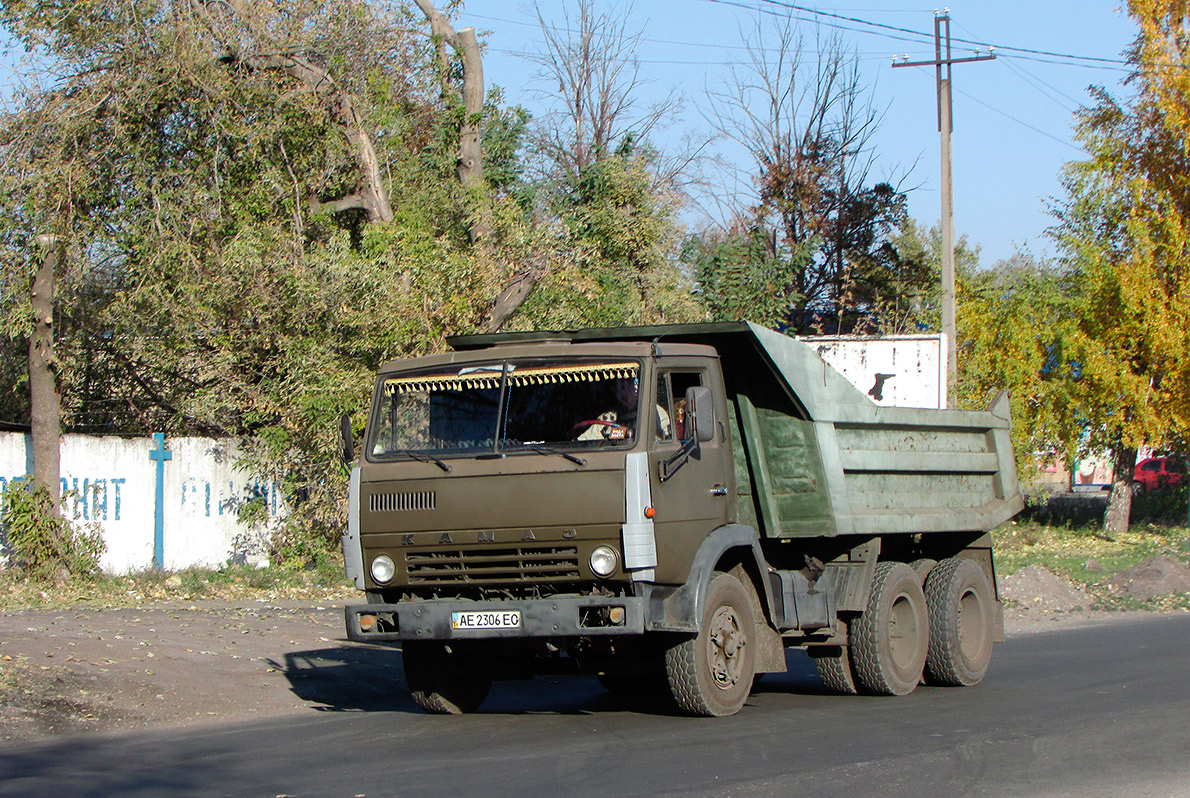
[1036, 588]
[1156, 576]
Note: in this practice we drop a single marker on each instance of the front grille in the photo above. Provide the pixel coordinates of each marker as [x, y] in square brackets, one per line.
[493, 566]
[403, 502]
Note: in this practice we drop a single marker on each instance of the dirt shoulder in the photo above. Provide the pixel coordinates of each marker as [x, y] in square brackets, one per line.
[82, 670]
[87, 670]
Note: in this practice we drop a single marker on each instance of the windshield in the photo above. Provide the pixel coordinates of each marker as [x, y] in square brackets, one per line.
[507, 406]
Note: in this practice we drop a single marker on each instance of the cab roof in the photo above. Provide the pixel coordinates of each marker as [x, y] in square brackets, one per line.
[743, 347]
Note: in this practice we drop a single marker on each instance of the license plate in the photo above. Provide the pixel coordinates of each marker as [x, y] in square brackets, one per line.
[504, 619]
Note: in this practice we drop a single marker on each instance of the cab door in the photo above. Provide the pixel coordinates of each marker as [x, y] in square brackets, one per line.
[696, 498]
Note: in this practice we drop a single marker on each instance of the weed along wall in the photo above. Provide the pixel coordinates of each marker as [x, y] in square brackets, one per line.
[160, 502]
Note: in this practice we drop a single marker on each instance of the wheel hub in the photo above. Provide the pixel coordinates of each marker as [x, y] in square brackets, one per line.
[726, 644]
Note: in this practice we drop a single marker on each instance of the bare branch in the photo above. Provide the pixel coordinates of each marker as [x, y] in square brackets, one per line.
[267, 54]
[597, 103]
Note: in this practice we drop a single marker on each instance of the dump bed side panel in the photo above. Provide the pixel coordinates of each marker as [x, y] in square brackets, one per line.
[881, 470]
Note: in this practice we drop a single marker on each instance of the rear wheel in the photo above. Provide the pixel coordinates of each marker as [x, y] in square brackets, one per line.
[711, 673]
[445, 678]
[890, 639]
[834, 668]
[962, 623]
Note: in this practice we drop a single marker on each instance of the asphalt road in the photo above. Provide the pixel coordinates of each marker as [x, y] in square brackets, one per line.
[1095, 711]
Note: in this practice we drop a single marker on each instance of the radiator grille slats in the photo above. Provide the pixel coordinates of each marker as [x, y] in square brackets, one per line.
[403, 502]
[534, 564]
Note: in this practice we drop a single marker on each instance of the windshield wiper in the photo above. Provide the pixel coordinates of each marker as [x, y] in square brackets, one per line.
[423, 457]
[537, 447]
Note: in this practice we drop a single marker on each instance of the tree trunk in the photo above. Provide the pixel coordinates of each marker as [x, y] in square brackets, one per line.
[1119, 504]
[45, 413]
[470, 133]
[515, 293]
[470, 153]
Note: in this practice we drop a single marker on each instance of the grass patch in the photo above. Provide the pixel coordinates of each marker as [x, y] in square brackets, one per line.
[321, 582]
[1069, 550]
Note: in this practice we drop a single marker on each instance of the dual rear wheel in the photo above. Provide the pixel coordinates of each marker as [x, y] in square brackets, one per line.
[941, 632]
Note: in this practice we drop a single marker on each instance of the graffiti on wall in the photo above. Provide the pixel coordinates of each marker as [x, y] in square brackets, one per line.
[206, 499]
[101, 498]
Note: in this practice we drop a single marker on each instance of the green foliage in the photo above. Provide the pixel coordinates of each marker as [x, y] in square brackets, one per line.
[613, 249]
[208, 287]
[43, 544]
[1015, 322]
[744, 275]
[504, 130]
[1125, 229]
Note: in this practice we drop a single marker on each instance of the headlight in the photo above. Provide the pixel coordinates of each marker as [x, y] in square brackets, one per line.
[383, 569]
[604, 560]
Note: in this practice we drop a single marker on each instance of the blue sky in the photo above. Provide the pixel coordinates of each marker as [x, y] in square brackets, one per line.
[1012, 128]
[1013, 116]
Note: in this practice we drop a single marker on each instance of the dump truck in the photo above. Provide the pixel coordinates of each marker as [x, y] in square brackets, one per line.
[669, 508]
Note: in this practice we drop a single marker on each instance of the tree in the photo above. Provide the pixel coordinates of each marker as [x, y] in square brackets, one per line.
[745, 273]
[255, 205]
[1016, 321]
[618, 237]
[801, 113]
[1124, 227]
[175, 157]
[598, 102]
[910, 287]
[606, 199]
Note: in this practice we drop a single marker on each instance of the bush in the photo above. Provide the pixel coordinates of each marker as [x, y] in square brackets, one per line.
[42, 542]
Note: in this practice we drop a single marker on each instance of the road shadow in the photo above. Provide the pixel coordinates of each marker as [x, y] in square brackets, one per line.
[372, 679]
[349, 678]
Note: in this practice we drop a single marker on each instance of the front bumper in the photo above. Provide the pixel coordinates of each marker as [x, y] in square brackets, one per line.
[570, 616]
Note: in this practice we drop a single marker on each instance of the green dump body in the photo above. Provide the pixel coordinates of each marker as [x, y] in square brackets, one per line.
[815, 457]
[882, 469]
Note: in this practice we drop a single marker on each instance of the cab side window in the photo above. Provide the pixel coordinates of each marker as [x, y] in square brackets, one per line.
[671, 403]
[665, 430]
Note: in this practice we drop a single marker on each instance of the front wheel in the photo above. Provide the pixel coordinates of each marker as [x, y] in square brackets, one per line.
[445, 679]
[711, 674]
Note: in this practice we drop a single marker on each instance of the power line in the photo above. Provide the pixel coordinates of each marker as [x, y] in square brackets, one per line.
[1033, 80]
[883, 26]
[1022, 123]
[904, 35]
[836, 25]
[701, 45]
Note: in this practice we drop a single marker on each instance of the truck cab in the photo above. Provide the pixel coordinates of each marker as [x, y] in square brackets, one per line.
[511, 475]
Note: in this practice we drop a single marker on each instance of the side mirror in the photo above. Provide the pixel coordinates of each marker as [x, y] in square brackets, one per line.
[700, 413]
[346, 439]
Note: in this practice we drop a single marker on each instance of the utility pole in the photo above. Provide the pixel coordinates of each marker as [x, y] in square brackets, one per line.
[942, 63]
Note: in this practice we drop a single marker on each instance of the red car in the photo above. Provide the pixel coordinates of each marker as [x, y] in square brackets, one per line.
[1157, 472]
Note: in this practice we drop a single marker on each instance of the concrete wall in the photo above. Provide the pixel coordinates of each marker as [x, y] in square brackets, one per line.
[910, 370]
[113, 483]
